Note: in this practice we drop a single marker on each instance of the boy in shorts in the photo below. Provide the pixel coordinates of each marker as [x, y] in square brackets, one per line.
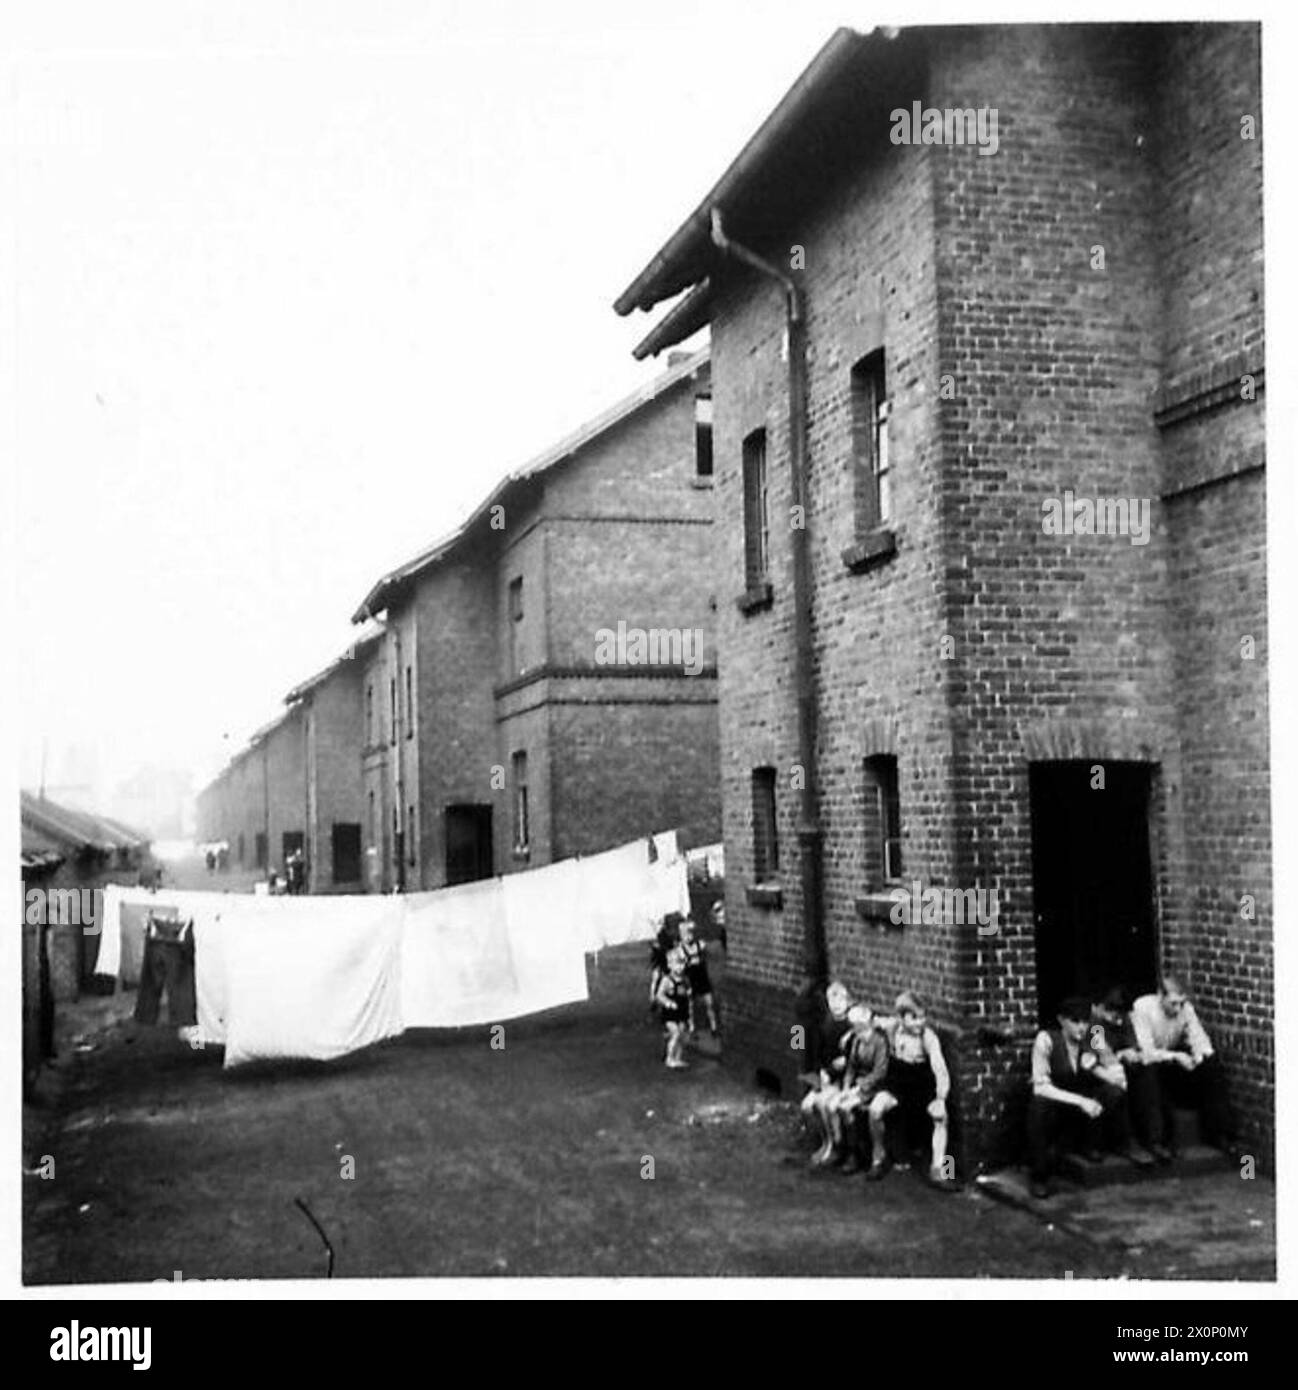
[916, 1087]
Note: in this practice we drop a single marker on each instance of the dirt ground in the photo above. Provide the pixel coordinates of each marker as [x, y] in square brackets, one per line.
[437, 1155]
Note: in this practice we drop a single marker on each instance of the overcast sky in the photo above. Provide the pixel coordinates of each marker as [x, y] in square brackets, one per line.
[296, 285]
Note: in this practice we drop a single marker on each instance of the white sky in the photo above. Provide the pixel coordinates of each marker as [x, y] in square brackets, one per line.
[297, 284]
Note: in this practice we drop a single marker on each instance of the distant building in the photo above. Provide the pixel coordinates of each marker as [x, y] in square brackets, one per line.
[546, 681]
[541, 683]
[936, 673]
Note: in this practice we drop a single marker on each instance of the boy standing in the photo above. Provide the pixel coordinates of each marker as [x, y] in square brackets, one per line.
[696, 972]
[674, 1001]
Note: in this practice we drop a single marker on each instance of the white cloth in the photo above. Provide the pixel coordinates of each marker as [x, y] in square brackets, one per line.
[310, 976]
[109, 960]
[456, 963]
[545, 937]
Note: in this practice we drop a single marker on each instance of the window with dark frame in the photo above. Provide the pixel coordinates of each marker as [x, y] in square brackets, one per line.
[882, 820]
[703, 436]
[872, 481]
[756, 530]
[392, 700]
[262, 850]
[410, 702]
[766, 839]
[410, 836]
[374, 823]
[522, 831]
[369, 715]
[515, 619]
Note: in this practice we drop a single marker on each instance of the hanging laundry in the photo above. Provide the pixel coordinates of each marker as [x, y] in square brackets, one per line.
[167, 967]
[312, 977]
[456, 964]
[545, 937]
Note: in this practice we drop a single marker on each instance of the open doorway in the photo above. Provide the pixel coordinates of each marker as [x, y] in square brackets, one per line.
[1092, 879]
[468, 844]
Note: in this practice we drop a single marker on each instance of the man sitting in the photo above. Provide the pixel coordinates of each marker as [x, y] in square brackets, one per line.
[1078, 1094]
[1179, 1067]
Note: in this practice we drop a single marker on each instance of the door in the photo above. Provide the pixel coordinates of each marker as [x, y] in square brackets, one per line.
[468, 844]
[1092, 880]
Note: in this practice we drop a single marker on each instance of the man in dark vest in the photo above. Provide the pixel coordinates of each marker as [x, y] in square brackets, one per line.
[1076, 1098]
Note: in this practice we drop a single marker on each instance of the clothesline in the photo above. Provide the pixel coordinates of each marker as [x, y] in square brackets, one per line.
[317, 977]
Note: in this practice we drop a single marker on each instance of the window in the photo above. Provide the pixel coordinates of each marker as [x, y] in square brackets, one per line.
[369, 714]
[872, 480]
[756, 534]
[882, 821]
[766, 839]
[410, 836]
[410, 702]
[241, 849]
[522, 831]
[703, 436]
[392, 698]
[396, 837]
[260, 848]
[515, 619]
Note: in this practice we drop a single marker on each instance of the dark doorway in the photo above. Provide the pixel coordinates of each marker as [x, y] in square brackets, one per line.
[468, 843]
[294, 842]
[1092, 882]
[346, 852]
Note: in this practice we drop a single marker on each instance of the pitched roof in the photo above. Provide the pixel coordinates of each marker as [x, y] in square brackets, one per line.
[49, 825]
[835, 109]
[391, 585]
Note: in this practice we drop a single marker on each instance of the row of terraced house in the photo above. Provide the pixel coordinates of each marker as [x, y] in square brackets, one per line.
[486, 720]
[985, 545]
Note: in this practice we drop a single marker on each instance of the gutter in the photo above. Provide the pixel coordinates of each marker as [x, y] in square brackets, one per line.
[810, 835]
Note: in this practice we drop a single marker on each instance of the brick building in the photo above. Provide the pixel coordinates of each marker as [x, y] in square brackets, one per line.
[924, 355]
[510, 716]
[258, 804]
[506, 711]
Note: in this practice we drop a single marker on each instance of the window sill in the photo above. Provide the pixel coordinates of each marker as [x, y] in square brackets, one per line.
[765, 895]
[705, 481]
[873, 548]
[877, 905]
[755, 597]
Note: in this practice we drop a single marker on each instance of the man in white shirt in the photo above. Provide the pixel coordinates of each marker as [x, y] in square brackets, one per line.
[1179, 1067]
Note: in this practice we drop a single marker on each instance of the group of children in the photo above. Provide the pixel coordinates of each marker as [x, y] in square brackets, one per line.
[678, 984]
[870, 1070]
[1110, 1074]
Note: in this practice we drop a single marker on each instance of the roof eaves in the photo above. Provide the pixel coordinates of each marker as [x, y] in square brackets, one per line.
[382, 594]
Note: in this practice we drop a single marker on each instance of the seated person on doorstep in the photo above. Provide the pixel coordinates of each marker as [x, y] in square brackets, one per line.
[1179, 1067]
[1078, 1096]
[829, 1062]
[867, 1065]
[916, 1087]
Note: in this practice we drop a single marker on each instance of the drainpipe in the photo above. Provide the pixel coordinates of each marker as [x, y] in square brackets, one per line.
[397, 754]
[810, 838]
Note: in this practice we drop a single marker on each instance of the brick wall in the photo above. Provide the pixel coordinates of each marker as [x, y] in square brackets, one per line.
[980, 270]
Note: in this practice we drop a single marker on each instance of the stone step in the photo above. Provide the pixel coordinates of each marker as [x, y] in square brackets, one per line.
[1193, 1160]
